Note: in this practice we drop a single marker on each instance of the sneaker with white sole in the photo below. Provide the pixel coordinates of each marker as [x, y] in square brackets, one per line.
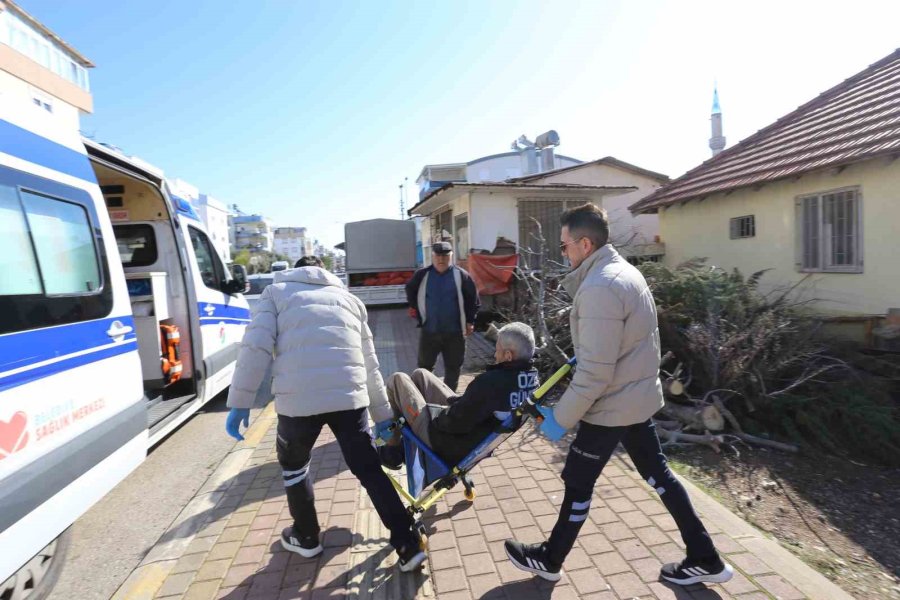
[307, 547]
[687, 572]
[533, 558]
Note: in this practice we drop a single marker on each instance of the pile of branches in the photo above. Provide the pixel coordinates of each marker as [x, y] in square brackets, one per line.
[739, 366]
[757, 362]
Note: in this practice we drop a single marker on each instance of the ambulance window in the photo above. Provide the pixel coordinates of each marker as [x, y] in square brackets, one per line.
[18, 266]
[64, 244]
[211, 270]
[137, 245]
[53, 267]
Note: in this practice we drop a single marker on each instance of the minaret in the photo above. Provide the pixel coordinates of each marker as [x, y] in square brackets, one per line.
[717, 141]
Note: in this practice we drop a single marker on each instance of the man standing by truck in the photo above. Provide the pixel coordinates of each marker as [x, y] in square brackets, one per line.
[444, 300]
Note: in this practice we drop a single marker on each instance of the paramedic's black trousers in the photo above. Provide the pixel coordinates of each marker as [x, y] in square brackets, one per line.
[589, 453]
[451, 345]
[296, 438]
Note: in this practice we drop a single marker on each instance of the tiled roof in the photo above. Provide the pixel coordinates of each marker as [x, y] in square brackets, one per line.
[856, 120]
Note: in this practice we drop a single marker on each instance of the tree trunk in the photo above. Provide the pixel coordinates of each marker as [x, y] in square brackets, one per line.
[706, 418]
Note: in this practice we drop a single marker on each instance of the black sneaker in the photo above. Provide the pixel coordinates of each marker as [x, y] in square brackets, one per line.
[304, 546]
[411, 557]
[712, 570]
[533, 558]
[391, 456]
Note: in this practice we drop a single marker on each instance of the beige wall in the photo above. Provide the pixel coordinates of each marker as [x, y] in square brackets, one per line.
[701, 229]
[44, 79]
[492, 215]
[623, 225]
[17, 105]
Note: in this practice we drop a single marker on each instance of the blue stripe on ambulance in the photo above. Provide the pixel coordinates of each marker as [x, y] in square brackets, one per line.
[29, 146]
[213, 314]
[67, 346]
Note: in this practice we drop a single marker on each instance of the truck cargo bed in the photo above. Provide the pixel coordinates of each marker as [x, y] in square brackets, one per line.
[380, 294]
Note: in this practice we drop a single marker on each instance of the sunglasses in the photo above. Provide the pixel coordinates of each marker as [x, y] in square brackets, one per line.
[564, 245]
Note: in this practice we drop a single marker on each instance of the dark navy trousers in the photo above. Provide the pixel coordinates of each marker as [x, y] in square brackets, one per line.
[589, 453]
[296, 438]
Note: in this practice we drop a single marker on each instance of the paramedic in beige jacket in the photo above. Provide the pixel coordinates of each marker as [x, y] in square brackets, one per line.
[613, 395]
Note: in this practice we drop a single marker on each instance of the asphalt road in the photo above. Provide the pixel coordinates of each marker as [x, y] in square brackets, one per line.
[111, 539]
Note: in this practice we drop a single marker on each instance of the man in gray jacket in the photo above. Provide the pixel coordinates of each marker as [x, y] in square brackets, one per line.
[612, 396]
[314, 335]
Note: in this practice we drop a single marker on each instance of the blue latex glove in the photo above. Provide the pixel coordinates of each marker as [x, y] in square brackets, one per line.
[549, 427]
[233, 422]
[383, 430]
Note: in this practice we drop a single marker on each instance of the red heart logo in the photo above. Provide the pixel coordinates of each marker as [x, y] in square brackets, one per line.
[13, 434]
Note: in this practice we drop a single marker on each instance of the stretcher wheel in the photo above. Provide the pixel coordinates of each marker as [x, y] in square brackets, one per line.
[423, 537]
[470, 494]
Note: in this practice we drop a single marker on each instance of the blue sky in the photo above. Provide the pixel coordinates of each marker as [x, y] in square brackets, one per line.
[312, 113]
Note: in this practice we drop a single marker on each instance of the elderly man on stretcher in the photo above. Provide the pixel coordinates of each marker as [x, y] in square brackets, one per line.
[453, 425]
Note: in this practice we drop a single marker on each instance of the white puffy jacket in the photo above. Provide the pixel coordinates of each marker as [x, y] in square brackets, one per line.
[316, 333]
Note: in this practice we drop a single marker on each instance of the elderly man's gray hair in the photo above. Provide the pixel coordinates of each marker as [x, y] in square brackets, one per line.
[517, 338]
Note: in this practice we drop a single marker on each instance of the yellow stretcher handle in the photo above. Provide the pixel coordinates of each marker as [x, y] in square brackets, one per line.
[553, 380]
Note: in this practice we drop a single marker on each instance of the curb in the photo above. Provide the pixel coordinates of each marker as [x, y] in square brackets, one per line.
[144, 582]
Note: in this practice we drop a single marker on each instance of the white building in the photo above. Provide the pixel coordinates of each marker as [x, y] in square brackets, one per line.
[214, 215]
[293, 242]
[39, 70]
[496, 167]
[251, 232]
[475, 204]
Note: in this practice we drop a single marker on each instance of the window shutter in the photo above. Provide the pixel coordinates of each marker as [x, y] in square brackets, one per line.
[735, 228]
[798, 234]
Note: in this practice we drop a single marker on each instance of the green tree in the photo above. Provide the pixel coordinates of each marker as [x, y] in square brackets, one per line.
[242, 258]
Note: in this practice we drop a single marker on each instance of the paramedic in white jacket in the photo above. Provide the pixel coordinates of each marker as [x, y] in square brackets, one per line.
[314, 334]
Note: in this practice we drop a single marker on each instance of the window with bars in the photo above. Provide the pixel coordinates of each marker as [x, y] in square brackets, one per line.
[743, 227]
[547, 212]
[828, 232]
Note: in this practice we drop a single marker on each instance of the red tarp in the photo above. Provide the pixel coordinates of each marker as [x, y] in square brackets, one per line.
[491, 273]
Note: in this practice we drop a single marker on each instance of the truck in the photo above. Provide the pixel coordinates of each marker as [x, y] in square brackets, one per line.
[118, 321]
[381, 258]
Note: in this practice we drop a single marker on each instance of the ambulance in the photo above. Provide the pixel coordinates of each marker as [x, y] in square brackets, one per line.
[118, 321]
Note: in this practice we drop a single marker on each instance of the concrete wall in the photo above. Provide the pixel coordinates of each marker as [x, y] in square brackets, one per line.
[17, 100]
[32, 73]
[503, 167]
[492, 215]
[623, 226]
[701, 229]
[214, 215]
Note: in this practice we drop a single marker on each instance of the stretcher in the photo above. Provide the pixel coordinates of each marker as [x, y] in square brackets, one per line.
[428, 477]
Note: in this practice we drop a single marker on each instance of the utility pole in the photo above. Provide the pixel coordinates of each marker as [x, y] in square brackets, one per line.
[402, 204]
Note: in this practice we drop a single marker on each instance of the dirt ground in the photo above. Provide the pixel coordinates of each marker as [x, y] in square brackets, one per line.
[840, 517]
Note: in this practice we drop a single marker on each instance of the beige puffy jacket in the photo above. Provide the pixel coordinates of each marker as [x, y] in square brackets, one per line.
[616, 340]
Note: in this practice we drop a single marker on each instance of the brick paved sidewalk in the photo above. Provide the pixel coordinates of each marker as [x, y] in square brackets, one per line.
[228, 546]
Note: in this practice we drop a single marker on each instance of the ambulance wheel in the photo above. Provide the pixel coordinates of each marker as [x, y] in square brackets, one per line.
[36, 578]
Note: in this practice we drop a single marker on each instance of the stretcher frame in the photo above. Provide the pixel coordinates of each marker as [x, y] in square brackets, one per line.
[434, 490]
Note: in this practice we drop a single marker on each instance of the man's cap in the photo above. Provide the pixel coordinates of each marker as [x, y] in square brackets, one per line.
[442, 248]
